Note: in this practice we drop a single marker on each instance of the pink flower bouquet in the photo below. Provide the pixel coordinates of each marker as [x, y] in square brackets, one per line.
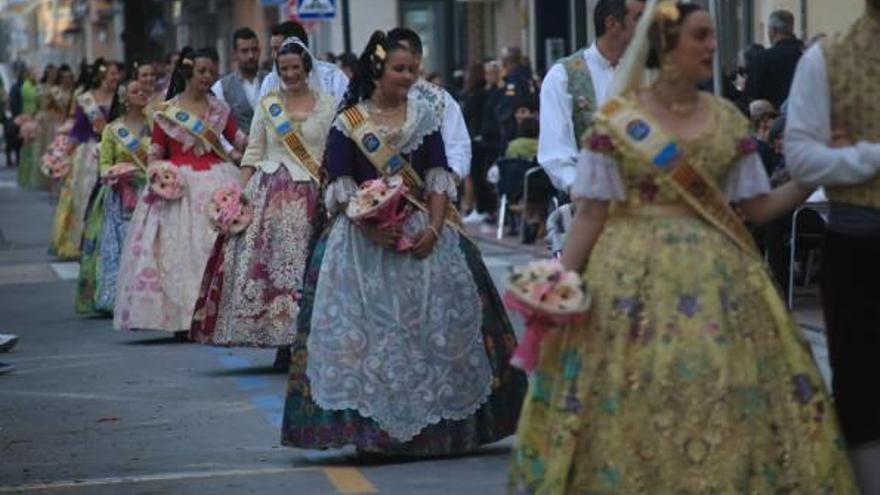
[547, 295]
[378, 200]
[165, 180]
[228, 210]
[121, 177]
[55, 165]
[27, 127]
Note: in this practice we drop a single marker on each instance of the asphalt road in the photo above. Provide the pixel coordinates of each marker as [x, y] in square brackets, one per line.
[94, 411]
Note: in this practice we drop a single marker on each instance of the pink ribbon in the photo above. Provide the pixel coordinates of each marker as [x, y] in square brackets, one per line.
[538, 325]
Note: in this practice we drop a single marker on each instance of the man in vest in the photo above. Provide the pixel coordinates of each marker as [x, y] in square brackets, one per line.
[325, 76]
[239, 89]
[578, 85]
[455, 134]
[833, 140]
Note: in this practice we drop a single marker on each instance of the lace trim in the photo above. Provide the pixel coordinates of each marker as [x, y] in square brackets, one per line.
[597, 178]
[216, 118]
[420, 122]
[339, 192]
[747, 180]
[440, 180]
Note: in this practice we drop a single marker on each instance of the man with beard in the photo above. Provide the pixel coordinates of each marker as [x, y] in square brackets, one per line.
[578, 85]
[833, 140]
[240, 88]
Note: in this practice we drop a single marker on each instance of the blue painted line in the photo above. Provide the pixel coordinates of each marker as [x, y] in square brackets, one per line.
[272, 403]
[249, 383]
[234, 362]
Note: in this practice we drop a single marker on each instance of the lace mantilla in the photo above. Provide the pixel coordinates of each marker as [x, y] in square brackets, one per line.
[420, 122]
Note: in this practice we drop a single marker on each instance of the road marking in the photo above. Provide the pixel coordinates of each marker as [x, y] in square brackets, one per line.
[152, 478]
[66, 270]
[26, 274]
[349, 480]
[8, 184]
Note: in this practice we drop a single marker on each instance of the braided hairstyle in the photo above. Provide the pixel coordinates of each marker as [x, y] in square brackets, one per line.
[370, 67]
[185, 67]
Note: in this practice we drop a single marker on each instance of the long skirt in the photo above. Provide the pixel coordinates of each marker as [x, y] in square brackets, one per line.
[165, 254]
[389, 369]
[90, 251]
[26, 163]
[48, 126]
[689, 376]
[116, 221]
[251, 289]
[73, 201]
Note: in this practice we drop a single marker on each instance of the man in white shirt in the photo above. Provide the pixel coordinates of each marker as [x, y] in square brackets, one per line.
[577, 86]
[239, 89]
[456, 138]
[326, 76]
[833, 140]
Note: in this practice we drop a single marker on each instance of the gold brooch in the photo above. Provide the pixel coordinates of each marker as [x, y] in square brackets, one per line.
[380, 52]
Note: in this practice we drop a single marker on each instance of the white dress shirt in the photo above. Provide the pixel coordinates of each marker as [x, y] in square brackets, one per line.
[809, 156]
[251, 90]
[557, 144]
[456, 139]
[326, 76]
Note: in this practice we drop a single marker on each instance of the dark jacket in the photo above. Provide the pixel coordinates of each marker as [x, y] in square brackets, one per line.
[770, 76]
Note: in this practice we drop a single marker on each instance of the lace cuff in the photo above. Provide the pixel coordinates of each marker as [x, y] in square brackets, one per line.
[747, 179]
[440, 180]
[597, 178]
[339, 192]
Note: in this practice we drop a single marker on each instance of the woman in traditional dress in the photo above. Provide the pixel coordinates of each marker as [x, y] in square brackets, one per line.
[30, 100]
[397, 352]
[47, 124]
[689, 375]
[169, 240]
[146, 75]
[92, 111]
[250, 293]
[56, 111]
[125, 140]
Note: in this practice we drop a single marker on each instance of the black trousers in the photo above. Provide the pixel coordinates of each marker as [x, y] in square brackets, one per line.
[483, 156]
[851, 301]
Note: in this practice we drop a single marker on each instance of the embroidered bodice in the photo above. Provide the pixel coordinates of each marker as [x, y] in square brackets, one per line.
[267, 152]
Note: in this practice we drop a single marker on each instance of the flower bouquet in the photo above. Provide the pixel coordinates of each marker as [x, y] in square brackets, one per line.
[121, 177]
[228, 210]
[378, 201]
[547, 295]
[55, 165]
[27, 127]
[165, 180]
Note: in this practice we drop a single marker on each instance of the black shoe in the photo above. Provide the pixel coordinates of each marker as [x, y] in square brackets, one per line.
[282, 359]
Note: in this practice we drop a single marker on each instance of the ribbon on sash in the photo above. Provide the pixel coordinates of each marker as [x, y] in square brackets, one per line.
[196, 127]
[286, 132]
[131, 142]
[388, 162]
[641, 134]
[93, 112]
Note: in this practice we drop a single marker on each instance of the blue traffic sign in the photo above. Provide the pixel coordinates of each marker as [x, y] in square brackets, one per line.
[316, 9]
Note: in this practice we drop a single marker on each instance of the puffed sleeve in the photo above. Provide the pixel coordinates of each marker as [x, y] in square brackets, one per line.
[234, 135]
[339, 167]
[82, 128]
[438, 174]
[159, 143]
[256, 148]
[747, 179]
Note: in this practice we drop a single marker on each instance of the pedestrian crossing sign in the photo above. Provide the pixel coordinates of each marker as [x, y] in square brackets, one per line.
[316, 9]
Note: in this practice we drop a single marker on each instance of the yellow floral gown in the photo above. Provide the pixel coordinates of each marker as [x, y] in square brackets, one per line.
[685, 379]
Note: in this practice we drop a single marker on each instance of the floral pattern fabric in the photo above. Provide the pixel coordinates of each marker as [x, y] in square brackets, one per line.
[685, 378]
[251, 290]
